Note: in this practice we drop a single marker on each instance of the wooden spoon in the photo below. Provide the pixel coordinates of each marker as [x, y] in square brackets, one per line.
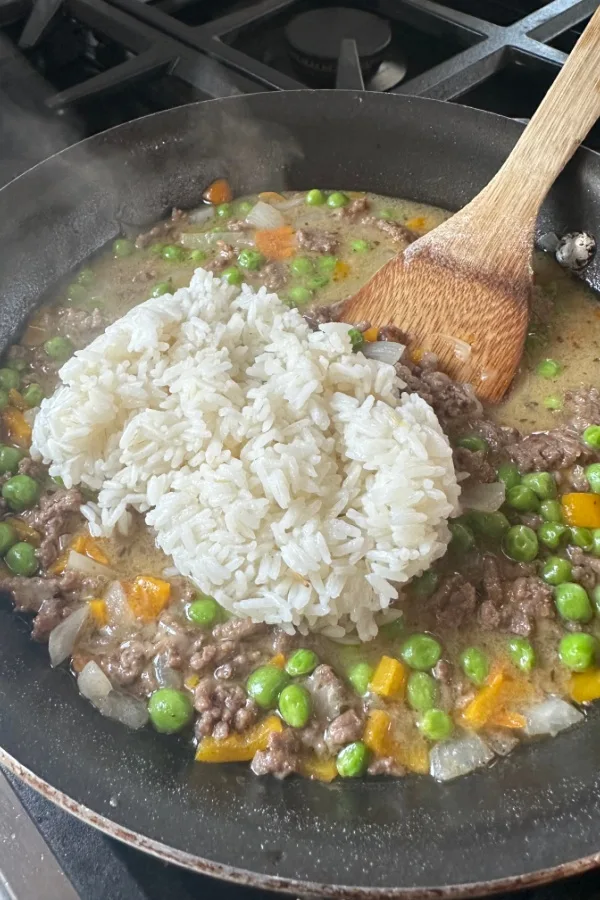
[471, 277]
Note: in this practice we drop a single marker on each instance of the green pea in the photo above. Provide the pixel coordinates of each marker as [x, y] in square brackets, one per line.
[232, 275]
[592, 473]
[435, 725]
[243, 208]
[173, 253]
[317, 282]
[553, 402]
[474, 443]
[300, 295]
[86, 277]
[21, 559]
[224, 210]
[572, 602]
[552, 535]
[521, 543]
[301, 266]
[295, 705]
[556, 570]
[315, 198]
[21, 492]
[421, 691]
[360, 676]
[582, 537]
[18, 364]
[9, 379]
[542, 484]
[423, 586]
[360, 246]
[76, 293]
[156, 249]
[356, 338]
[521, 654]
[250, 259]
[204, 611]
[170, 710]
[596, 598]
[475, 665]
[58, 348]
[386, 213]
[591, 436]
[265, 684]
[122, 248]
[337, 199]
[551, 511]
[392, 630]
[421, 651]
[353, 760]
[327, 263]
[197, 256]
[509, 475]
[10, 458]
[523, 499]
[596, 539]
[33, 395]
[302, 662]
[4, 399]
[163, 287]
[462, 539]
[548, 368]
[8, 537]
[577, 651]
[489, 526]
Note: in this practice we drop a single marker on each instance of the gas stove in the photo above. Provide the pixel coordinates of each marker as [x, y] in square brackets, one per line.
[72, 68]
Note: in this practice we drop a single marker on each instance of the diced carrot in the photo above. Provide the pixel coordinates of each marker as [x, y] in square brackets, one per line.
[26, 532]
[319, 769]
[16, 400]
[388, 678]
[238, 747]
[89, 546]
[271, 197]
[192, 681]
[17, 428]
[417, 223]
[99, 612]
[218, 192]
[581, 510]
[504, 718]
[341, 270]
[377, 732]
[371, 334]
[275, 243]
[585, 686]
[278, 661]
[148, 596]
[482, 707]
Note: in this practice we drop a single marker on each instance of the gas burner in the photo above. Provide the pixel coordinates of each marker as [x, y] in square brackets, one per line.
[315, 37]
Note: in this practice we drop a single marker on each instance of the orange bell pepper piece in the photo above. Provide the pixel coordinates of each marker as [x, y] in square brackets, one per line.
[238, 747]
[504, 718]
[99, 612]
[88, 546]
[341, 270]
[271, 197]
[585, 686]
[192, 681]
[17, 427]
[275, 243]
[388, 678]
[278, 661]
[485, 703]
[414, 757]
[371, 334]
[148, 596]
[319, 769]
[581, 510]
[377, 732]
[417, 223]
[218, 192]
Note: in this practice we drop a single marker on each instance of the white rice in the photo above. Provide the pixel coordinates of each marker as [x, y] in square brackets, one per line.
[279, 470]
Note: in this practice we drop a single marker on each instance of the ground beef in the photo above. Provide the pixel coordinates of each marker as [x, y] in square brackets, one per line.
[238, 225]
[392, 333]
[50, 598]
[35, 470]
[79, 325]
[312, 738]
[330, 696]
[543, 450]
[398, 233]
[582, 408]
[274, 276]
[238, 630]
[355, 210]
[586, 568]
[317, 241]
[515, 605]
[225, 256]
[454, 603]
[281, 756]
[343, 730]
[576, 480]
[499, 437]
[222, 708]
[386, 765]
[125, 665]
[475, 463]
[168, 231]
[56, 515]
[450, 400]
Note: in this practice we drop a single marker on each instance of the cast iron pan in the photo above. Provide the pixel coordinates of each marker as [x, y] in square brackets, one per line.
[527, 819]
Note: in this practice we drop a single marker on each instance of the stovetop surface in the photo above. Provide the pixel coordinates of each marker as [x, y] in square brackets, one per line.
[72, 68]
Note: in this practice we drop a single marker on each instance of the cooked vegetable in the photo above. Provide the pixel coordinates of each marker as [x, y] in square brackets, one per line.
[250, 259]
[483, 497]
[99, 612]
[421, 651]
[356, 338]
[337, 199]
[21, 559]
[592, 473]
[522, 498]
[122, 248]
[474, 443]
[21, 492]
[585, 687]
[148, 596]
[551, 511]
[521, 653]
[89, 546]
[301, 662]
[360, 246]
[572, 602]
[553, 402]
[591, 437]
[301, 266]
[239, 747]
[489, 526]
[549, 368]
[204, 611]
[435, 725]
[481, 708]
[581, 537]
[315, 198]
[92, 682]
[224, 210]
[509, 475]
[550, 717]
[383, 351]
[32, 395]
[163, 287]
[360, 677]
[577, 651]
[388, 678]
[218, 192]
[319, 769]
[232, 275]
[300, 296]
[556, 570]
[377, 732]
[265, 217]
[295, 705]
[421, 691]
[521, 543]
[9, 379]
[63, 637]
[475, 665]
[170, 710]
[581, 510]
[8, 537]
[352, 761]
[424, 585]
[276, 243]
[59, 348]
[265, 684]
[462, 539]
[541, 483]
[553, 535]
[449, 759]
[78, 562]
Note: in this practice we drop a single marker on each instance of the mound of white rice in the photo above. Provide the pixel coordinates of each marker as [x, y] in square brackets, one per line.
[280, 470]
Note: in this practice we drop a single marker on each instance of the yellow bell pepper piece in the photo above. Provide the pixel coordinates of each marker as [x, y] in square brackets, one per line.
[319, 769]
[388, 678]
[417, 223]
[581, 510]
[87, 546]
[278, 661]
[192, 681]
[585, 686]
[238, 747]
[99, 612]
[504, 718]
[17, 428]
[148, 596]
[377, 732]
[341, 270]
[485, 703]
[371, 334]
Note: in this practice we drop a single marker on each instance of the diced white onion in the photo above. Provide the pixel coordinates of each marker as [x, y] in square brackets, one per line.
[117, 607]
[204, 240]
[550, 717]
[92, 682]
[383, 351]
[290, 204]
[458, 757]
[462, 350]
[483, 497]
[202, 214]
[62, 638]
[77, 562]
[165, 675]
[264, 216]
[124, 708]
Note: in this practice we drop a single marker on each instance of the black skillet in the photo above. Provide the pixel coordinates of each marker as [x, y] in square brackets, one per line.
[527, 819]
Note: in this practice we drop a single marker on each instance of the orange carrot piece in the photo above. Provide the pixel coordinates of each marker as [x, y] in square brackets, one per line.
[17, 427]
[371, 334]
[275, 243]
[88, 546]
[148, 596]
[218, 192]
